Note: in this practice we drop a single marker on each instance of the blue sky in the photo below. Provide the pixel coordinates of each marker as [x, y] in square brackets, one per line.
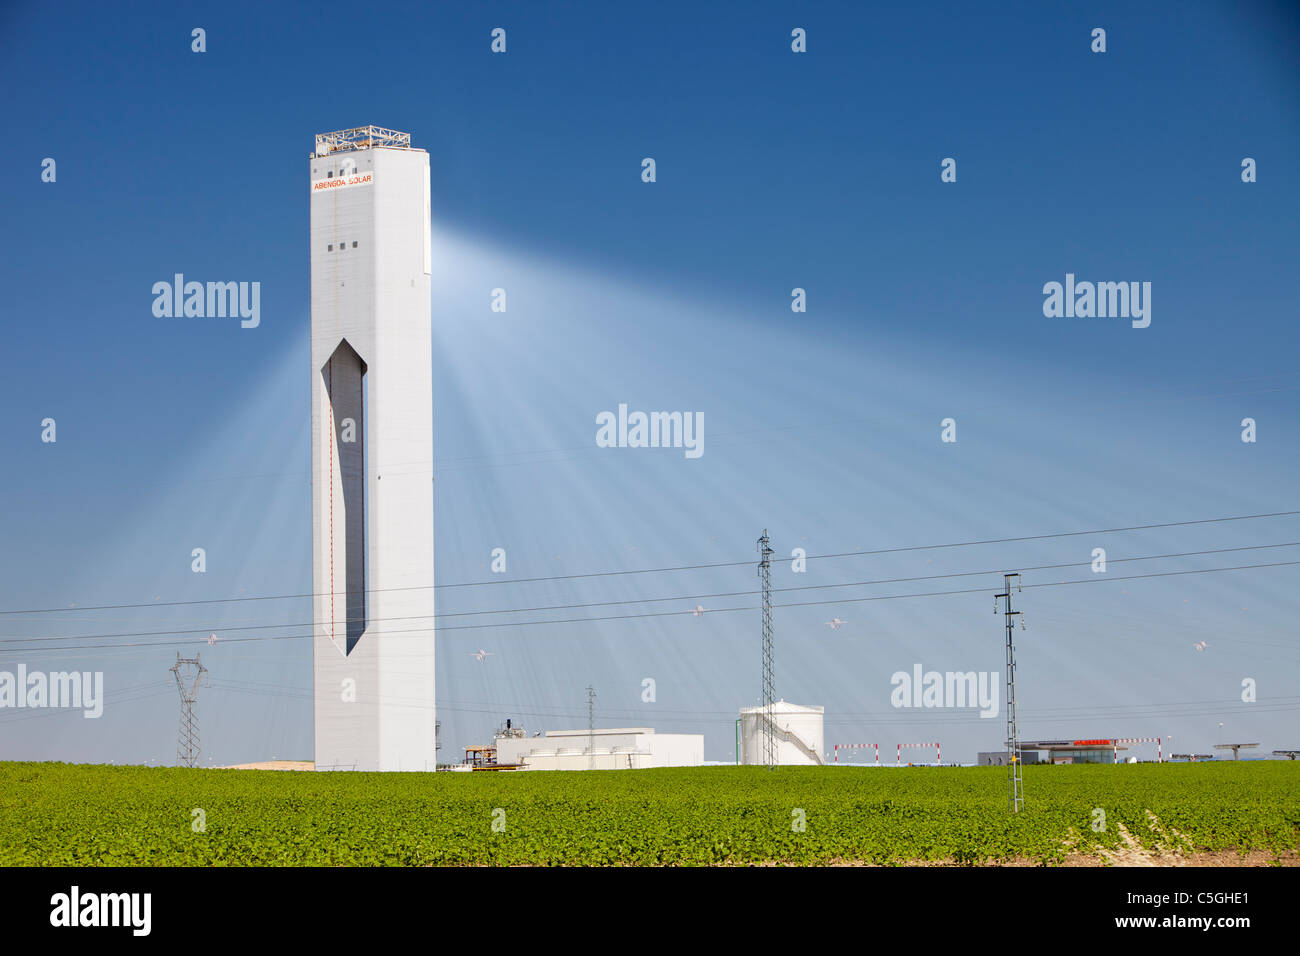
[775, 170]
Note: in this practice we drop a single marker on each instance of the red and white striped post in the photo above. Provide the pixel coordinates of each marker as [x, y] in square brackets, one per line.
[938, 755]
[838, 747]
[1160, 757]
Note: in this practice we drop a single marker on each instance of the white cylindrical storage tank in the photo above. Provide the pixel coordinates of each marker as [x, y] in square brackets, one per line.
[798, 736]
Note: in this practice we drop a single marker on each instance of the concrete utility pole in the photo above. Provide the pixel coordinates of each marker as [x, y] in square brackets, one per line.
[769, 692]
[187, 740]
[1015, 776]
[591, 727]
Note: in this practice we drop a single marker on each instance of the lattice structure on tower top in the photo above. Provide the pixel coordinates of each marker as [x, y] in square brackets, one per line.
[361, 137]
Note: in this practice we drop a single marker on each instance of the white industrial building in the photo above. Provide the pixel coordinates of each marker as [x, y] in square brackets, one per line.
[798, 734]
[626, 748]
[372, 452]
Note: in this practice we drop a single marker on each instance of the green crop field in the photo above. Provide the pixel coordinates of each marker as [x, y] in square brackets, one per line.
[63, 814]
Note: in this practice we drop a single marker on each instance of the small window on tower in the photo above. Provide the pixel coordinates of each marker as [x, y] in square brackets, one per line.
[331, 247]
[330, 174]
[354, 244]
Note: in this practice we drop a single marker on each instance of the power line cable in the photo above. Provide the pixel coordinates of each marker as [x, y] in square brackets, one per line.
[679, 597]
[650, 614]
[687, 567]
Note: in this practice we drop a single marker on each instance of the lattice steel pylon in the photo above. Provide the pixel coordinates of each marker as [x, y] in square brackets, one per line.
[769, 692]
[1016, 781]
[187, 682]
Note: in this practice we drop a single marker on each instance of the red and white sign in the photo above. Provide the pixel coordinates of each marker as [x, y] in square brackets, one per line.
[342, 182]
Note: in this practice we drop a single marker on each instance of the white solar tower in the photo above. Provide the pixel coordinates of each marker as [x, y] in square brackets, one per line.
[372, 452]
